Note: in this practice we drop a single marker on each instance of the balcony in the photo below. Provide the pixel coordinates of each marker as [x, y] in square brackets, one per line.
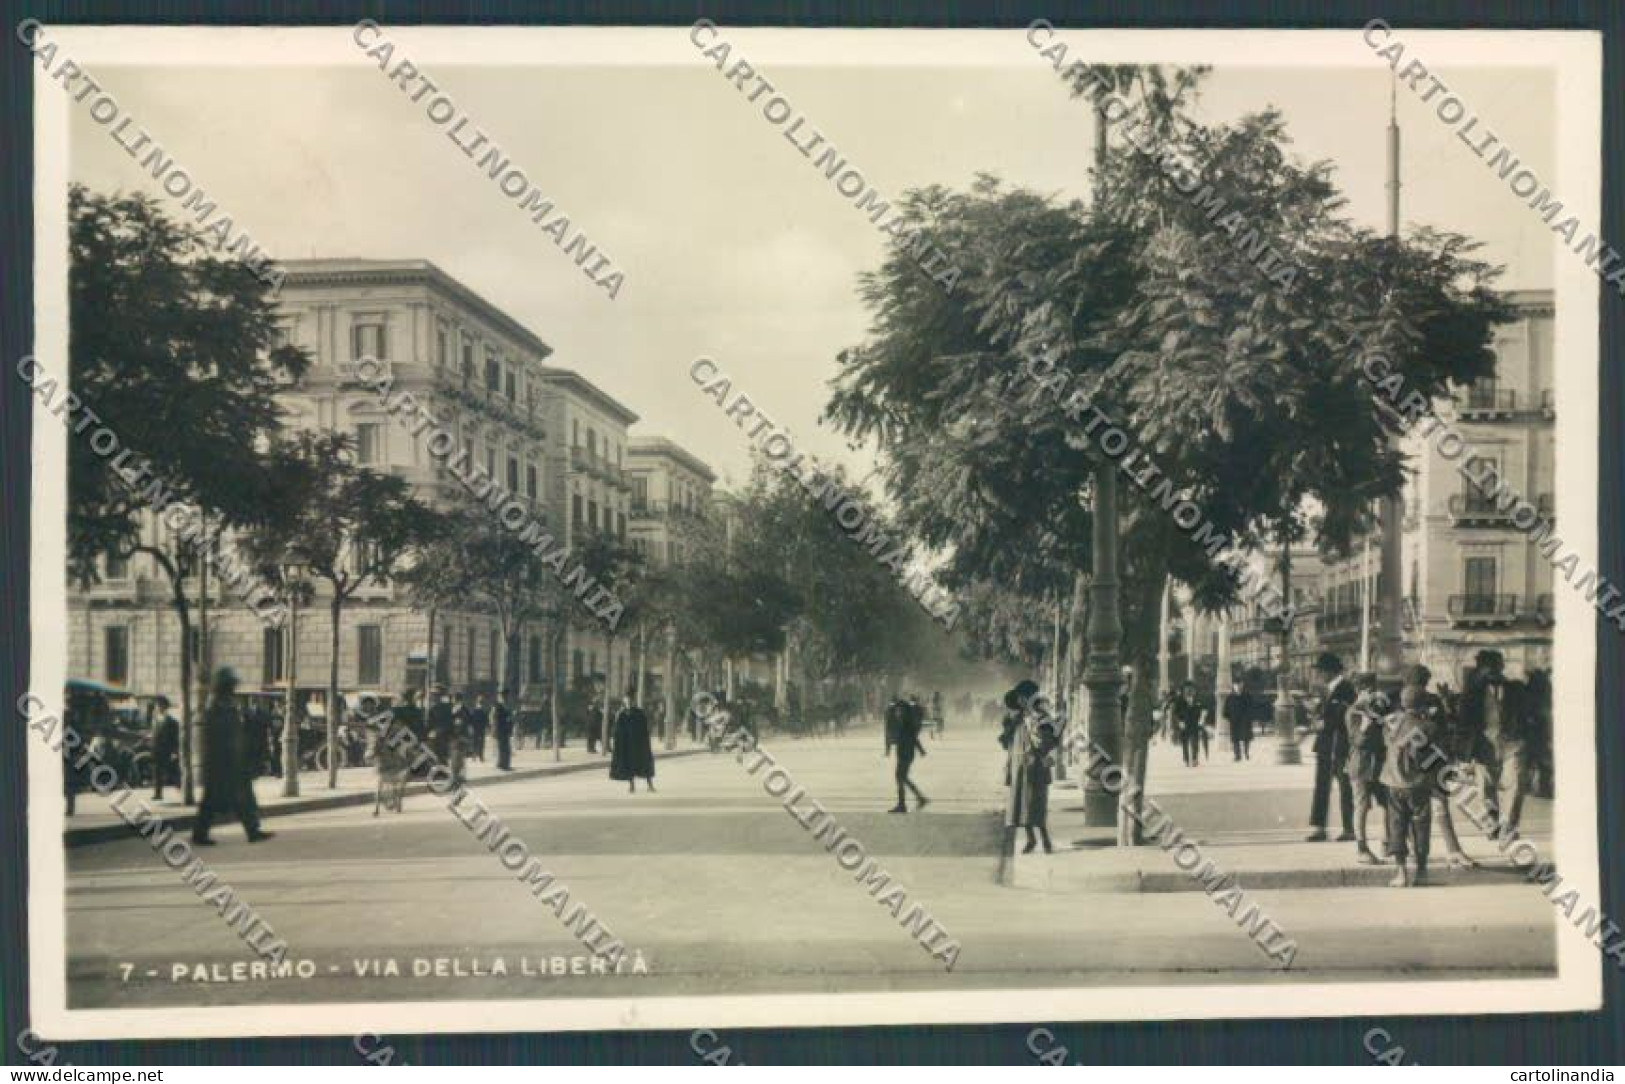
[580, 462]
[1483, 610]
[1344, 619]
[1476, 510]
[1486, 401]
[1545, 611]
[1548, 403]
[351, 372]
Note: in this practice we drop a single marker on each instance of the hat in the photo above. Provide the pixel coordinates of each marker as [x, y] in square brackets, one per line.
[1489, 655]
[1012, 700]
[1328, 663]
[1026, 687]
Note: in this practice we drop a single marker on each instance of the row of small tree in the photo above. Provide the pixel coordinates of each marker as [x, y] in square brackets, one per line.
[175, 349]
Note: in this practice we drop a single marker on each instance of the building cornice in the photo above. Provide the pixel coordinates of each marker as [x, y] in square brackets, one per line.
[571, 381]
[411, 273]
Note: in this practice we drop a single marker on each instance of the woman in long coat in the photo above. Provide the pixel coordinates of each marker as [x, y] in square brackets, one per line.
[632, 756]
[1031, 751]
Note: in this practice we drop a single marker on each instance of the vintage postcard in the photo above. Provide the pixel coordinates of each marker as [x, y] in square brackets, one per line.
[706, 527]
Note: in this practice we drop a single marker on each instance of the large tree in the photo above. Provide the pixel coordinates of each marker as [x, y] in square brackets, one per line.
[1245, 394]
[174, 349]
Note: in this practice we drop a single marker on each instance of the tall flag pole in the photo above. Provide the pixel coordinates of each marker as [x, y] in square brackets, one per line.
[1390, 644]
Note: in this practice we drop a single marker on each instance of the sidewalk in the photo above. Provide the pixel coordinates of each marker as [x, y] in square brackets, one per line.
[94, 820]
[1250, 820]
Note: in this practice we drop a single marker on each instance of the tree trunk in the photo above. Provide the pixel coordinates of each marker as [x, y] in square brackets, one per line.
[430, 668]
[336, 608]
[671, 688]
[1140, 651]
[203, 675]
[609, 668]
[642, 661]
[555, 651]
[189, 736]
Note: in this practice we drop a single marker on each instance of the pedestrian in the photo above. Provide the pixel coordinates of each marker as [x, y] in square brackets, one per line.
[1454, 758]
[463, 722]
[502, 725]
[166, 748]
[1408, 735]
[1495, 711]
[479, 720]
[1184, 716]
[903, 723]
[631, 752]
[442, 728]
[1365, 721]
[937, 718]
[1028, 808]
[1332, 751]
[1238, 717]
[227, 782]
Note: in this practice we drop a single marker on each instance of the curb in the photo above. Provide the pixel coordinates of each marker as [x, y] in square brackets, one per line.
[102, 833]
[1042, 876]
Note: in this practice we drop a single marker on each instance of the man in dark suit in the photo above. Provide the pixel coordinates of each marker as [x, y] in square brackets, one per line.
[1332, 751]
[479, 718]
[166, 748]
[502, 725]
[1495, 712]
[1238, 717]
[228, 784]
[904, 720]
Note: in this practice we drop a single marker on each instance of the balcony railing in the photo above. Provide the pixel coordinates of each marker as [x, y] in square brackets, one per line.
[1483, 609]
[1470, 509]
[352, 372]
[1488, 401]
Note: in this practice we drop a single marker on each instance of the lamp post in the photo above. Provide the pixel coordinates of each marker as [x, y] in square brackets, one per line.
[291, 572]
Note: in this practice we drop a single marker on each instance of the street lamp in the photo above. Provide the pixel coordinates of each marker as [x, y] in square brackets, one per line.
[292, 571]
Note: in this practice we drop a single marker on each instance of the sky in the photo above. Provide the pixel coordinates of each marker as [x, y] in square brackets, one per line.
[733, 245]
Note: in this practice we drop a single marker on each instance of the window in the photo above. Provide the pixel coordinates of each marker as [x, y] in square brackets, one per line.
[468, 359]
[493, 371]
[116, 654]
[640, 493]
[468, 451]
[442, 347]
[513, 475]
[535, 658]
[116, 567]
[369, 338]
[369, 443]
[281, 335]
[471, 650]
[370, 645]
[1478, 574]
[592, 514]
[575, 509]
[620, 524]
[511, 387]
[592, 442]
[530, 483]
[491, 463]
[271, 673]
[575, 432]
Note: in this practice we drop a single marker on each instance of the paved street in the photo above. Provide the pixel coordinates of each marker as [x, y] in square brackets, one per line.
[685, 875]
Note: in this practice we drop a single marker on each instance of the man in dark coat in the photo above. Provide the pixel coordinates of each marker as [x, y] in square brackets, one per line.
[479, 719]
[166, 748]
[631, 754]
[1238, 719]
[1495, 712]
[904, 720]
[502, 725]
[442, 724]
[227, 782]
[1332, 751]
[1185, 721]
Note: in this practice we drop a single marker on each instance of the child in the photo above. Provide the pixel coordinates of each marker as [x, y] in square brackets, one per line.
[1409, 735]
